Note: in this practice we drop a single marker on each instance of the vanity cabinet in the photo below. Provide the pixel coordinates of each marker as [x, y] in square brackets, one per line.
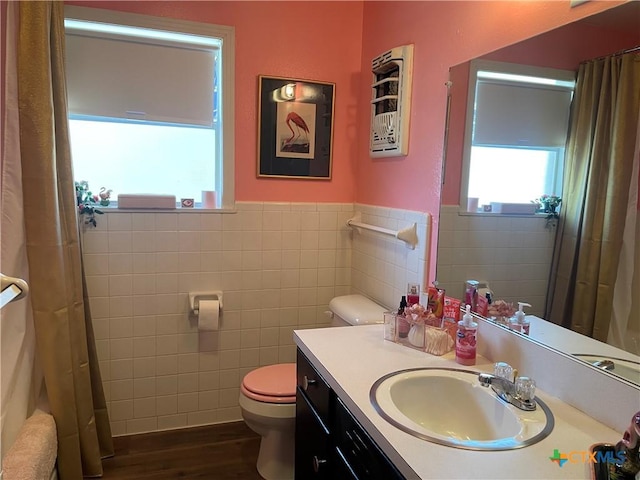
[313, 442]
[330, 443]
[355, 448]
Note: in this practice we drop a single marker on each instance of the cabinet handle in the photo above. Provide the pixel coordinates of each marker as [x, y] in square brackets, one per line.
[317, 463]
[306, 381]
[364, 445]
[353, 442]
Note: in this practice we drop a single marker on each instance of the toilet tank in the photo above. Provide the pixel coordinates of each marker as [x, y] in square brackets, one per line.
[355, 310]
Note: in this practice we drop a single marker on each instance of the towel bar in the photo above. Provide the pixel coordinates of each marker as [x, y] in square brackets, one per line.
[408, 235]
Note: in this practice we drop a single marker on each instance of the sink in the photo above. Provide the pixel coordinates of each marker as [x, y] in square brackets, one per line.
[627, 369]
[450, 407]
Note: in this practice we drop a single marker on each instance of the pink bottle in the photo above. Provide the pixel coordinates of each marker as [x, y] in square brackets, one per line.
[413, 294]
[466, 339]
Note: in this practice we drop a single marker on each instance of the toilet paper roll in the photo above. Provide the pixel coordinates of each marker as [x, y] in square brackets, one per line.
[208, 315]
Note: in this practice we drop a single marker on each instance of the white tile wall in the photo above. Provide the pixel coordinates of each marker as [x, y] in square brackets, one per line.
[158, 371]
[278, 264]
[485, 248]
[382, 266]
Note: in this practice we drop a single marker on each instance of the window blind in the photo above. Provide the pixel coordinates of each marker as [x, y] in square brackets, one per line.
[521, 114]
[132, 78]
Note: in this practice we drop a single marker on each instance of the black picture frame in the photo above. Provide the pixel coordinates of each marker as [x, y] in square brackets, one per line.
[295, 128]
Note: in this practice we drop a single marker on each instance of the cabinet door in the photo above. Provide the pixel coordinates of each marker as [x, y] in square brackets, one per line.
[312, 443]
[342, 470]
[360, 452]
[314, 387]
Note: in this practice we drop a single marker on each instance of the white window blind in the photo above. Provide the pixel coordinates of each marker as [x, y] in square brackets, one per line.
[521, 114]
[137, 78]
[174, 80]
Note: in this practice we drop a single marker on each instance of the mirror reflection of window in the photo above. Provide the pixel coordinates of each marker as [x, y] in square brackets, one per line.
[517, 123]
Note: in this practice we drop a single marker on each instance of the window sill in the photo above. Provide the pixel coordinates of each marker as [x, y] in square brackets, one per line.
[464, 213]
[115, 209]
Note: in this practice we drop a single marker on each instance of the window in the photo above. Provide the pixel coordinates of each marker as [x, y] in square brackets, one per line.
[517, 124]
[150, 104]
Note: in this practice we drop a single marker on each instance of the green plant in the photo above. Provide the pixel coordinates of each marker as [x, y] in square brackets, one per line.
[86, 201]
[549, 204]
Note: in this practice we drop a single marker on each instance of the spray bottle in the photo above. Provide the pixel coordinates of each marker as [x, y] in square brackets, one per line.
[466, 339]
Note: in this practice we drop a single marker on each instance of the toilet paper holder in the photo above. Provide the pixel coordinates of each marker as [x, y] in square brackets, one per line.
[195, 297]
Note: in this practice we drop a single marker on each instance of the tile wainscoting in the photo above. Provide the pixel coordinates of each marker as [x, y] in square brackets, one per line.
[278, 264]
[512, 254]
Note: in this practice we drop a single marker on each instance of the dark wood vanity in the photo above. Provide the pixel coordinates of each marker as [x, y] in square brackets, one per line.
[330, 443]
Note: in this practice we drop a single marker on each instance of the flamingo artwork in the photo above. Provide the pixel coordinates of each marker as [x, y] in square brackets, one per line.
[301, 126]
[295, 130]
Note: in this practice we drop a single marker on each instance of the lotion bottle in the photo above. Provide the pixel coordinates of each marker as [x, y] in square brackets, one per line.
[466, 339]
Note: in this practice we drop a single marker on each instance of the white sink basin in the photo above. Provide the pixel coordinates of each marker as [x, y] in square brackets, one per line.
[450, 407]
[627, 369]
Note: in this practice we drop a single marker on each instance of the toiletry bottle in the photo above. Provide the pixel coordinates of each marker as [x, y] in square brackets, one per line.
[466, 339]
[519, 321]
[401, 322]
[471, 293]
[413, 294]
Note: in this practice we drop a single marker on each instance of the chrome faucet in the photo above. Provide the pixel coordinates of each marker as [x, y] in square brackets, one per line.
[604, 364]
[519, 393]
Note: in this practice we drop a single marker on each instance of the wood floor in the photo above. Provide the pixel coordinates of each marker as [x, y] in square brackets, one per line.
[216, 452]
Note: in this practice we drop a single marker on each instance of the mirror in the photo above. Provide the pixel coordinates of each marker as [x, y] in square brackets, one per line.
[509, 253]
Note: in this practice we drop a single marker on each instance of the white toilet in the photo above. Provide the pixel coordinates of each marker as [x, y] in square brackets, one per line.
[268, 394]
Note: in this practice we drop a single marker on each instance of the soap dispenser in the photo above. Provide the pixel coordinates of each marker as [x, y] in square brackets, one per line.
[519, 321]
[466, 339]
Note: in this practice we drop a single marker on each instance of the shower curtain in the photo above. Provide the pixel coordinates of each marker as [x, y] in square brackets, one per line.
[21, 378]
[598, 174]
[40, 202]
[624, 330]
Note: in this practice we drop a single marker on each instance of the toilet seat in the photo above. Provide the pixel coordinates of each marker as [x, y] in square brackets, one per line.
[271, 384]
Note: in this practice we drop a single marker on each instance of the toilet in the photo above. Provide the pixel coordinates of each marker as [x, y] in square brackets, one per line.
[268, 394]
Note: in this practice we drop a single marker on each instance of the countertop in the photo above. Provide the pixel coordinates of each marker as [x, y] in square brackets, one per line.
[352, 359]
[567, 341]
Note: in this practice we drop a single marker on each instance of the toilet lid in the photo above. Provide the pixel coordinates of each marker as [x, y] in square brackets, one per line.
[272, 380]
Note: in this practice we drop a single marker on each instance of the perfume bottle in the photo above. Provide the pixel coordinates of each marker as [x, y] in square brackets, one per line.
[402, 324]
[413, 294]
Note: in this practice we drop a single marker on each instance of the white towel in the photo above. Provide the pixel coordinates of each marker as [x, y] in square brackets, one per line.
[33, 454]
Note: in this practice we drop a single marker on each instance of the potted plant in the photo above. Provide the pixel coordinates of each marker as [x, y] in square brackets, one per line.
[86, 201]
[549, 204]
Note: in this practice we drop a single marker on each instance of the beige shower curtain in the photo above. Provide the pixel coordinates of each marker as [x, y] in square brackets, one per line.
[64, 336]
[624, 329]
[598, 172]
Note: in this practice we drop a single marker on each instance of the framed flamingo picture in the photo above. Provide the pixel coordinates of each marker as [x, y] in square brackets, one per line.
[295, 128]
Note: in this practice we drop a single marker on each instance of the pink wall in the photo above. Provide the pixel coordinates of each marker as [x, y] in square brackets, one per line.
[308, 40]
[578, 43]
[335, 41]
[444, 34]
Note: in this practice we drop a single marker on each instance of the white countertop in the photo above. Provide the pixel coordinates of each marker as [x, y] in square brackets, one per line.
[352, 359]
[572, 343]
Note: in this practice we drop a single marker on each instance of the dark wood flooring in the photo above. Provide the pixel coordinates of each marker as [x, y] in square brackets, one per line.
[217, 452]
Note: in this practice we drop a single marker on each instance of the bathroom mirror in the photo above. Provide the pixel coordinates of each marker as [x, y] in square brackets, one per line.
[512, 253]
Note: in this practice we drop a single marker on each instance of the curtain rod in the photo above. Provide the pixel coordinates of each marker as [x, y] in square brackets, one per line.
[616, 54]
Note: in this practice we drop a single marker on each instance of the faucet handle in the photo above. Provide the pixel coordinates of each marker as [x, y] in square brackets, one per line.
[503, 370]
[526, 388]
